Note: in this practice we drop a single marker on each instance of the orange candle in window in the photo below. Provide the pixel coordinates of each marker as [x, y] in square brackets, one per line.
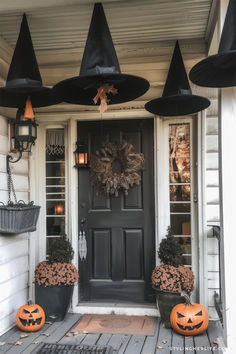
[58, 209]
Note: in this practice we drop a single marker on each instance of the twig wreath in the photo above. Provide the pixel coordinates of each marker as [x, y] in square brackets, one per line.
[108, 182]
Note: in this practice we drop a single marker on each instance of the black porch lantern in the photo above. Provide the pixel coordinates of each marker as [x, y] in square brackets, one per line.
[25, 133]
[81, 155]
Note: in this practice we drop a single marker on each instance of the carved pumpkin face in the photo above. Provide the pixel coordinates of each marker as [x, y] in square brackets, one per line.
[189, 319]
[30, 318]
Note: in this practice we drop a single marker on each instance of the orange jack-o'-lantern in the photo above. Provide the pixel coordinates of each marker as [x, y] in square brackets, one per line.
[30, 318]
[189, 319]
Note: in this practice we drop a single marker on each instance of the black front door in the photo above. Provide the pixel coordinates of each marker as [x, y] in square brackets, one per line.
[119, 230]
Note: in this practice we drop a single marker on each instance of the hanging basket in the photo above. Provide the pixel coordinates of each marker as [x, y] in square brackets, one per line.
[18, 218]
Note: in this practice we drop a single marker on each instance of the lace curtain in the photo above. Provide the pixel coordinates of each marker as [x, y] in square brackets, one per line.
[55, 142]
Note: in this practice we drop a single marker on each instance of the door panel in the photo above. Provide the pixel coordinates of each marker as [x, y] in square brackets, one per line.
[119, 230]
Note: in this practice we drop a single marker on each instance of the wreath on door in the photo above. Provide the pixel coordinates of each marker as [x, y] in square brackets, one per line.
[110, 183]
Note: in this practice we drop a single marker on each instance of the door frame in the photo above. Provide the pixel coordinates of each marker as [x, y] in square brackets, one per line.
[36, 184]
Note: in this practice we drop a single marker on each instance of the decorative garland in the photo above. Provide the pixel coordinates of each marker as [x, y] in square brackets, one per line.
[108, 182]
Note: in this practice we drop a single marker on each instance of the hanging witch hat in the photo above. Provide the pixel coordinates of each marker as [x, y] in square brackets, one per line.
[100, 79]
[219, 70]
[177, 98]
[24, 79]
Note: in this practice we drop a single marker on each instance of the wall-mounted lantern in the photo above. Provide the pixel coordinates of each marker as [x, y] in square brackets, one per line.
[81, 155]
[25, 129]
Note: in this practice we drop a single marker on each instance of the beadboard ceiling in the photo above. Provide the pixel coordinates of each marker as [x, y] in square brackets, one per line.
[62, 25]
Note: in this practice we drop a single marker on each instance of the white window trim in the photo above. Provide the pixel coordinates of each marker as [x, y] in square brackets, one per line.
[162, 183]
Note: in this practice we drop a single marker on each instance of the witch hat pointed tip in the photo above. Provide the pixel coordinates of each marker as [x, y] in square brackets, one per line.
[177, 80]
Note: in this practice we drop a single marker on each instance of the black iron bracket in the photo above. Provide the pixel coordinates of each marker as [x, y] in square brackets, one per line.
[10, 159]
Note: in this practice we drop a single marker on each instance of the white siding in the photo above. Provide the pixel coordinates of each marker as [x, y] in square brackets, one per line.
[14, 262]
[212, 201]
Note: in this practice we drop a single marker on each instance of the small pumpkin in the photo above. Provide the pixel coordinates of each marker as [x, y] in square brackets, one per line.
[189, 319]
[30, 318]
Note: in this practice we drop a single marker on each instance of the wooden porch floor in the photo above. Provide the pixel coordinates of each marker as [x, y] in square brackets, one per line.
[164, 341]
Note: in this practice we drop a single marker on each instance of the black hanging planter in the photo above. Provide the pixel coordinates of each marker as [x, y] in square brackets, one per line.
[18, 218]
[55, 300]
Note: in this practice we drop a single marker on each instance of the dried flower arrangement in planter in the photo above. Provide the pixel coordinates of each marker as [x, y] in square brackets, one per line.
[171, 278]
[55, 279]
[174, 279]
[47, 274]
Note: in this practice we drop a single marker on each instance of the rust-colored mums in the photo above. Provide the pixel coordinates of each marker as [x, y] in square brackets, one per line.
[56, 274]
[174, 279]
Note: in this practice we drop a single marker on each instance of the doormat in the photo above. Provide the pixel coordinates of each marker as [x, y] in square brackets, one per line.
[44, 348]
[115, 324]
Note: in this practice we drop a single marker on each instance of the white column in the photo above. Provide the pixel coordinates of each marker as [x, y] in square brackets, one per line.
[227, 131]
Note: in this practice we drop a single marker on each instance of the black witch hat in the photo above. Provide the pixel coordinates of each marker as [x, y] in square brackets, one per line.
[24, 78]
[219, 70]
[99, 68]
[177, 98]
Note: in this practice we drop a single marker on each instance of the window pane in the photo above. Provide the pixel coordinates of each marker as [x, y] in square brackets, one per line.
[180, 193]
[180, 224]
[55, 181]
[185, 243]
[55, 190]
[183, 177]
[55, 208]
[55, 225]
[55, 169]
[180, 207]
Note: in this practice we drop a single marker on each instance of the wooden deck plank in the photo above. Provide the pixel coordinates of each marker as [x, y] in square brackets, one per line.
[151, 341]
[135, 345]
[214, 332]
[15, 337]
[177, 345]
[42, 336]
[189, 345]
[124, 344]
[202, 344]
[118, 340]
[56, 331]
[104, 339]
[164, 340]
[91, 339]
[77, 339]
[32, 337]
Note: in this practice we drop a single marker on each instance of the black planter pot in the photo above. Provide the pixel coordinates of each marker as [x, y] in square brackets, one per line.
[166, 301]
[55, 300]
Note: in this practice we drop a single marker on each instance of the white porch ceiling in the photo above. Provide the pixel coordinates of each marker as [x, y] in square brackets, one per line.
[62, 25]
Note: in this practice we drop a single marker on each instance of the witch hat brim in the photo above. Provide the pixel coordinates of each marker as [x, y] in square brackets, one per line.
[177, 105]
[24, 78]
[219, 70]
[99, 67]
[82, 90]
[177, 98]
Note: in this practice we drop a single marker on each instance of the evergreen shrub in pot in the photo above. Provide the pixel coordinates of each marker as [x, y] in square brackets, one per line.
[55, 279]
[171, 278]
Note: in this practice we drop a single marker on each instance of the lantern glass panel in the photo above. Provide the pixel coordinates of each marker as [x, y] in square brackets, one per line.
[23, 130]
[33, 131]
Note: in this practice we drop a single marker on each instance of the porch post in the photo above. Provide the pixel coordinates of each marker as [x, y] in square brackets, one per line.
[227, 132]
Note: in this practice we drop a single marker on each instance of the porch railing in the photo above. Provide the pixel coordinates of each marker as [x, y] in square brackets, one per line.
[218, 296]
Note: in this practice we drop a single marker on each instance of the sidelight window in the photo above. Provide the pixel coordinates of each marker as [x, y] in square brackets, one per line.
[180, 187]
[55, 184]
